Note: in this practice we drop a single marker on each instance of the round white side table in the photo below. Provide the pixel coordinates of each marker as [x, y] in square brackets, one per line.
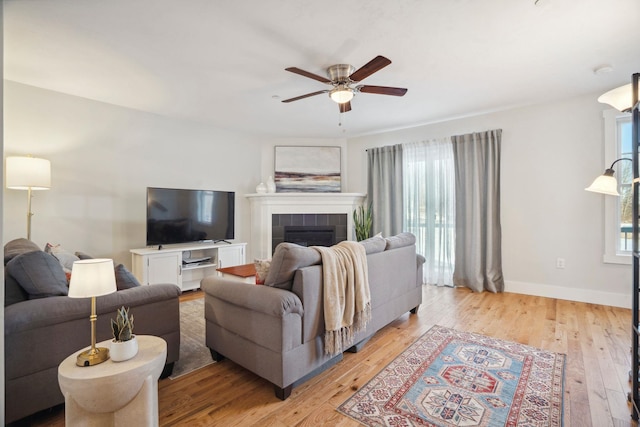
[114, 393]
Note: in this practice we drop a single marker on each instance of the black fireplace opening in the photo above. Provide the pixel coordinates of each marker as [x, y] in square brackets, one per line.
[316, 223]
[310, 235]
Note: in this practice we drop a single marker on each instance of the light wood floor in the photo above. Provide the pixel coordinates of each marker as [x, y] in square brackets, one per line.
[595, 338]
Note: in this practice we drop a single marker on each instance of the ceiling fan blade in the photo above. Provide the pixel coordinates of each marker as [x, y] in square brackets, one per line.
[345, 107]
[383, 90]
[376, 64]
[308, 74]
[305, 96]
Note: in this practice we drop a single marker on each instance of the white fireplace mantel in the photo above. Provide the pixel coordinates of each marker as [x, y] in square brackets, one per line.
[264, 205]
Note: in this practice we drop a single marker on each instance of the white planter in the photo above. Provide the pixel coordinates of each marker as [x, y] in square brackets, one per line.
[119, 351]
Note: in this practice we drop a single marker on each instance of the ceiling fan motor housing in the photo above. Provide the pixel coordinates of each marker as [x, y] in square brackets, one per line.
[339, 73]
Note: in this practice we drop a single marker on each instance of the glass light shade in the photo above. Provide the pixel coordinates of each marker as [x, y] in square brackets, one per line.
[28, 172]
[605, 184]
[619, 98]
[341, 94]
[92, 278]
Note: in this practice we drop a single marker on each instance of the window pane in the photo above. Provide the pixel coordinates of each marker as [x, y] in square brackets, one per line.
[625, 137]
[624, 174]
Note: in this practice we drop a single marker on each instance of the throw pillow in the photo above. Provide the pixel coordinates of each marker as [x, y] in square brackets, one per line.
[63, 256]
[13, 292]
[374, 244]
[18, 247]
[287, 258]
[262, 270]
[124, 278]
[400, 240]
[39, 274]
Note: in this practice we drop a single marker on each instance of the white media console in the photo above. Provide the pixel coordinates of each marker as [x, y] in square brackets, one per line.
[184, 265]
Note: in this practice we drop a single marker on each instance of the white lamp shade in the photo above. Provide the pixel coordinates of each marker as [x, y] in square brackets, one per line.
[604, 184]
[92, 278]
[28, 172]
[619, 98]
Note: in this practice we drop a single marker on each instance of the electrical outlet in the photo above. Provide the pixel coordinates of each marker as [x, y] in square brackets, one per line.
[560, 263]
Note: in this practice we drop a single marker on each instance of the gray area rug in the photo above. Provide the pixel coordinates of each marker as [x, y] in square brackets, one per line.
[194, 353]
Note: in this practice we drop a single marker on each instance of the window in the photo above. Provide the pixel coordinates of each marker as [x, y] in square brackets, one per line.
[625, 176]
[617, 132]
[428, 175]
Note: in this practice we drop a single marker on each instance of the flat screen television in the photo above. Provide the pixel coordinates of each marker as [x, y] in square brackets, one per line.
[184, 216]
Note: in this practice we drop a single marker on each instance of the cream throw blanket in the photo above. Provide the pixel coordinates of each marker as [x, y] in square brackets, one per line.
[347, 301]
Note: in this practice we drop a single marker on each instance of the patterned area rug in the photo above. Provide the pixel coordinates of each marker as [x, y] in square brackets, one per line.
[451, 378]
[194, 353]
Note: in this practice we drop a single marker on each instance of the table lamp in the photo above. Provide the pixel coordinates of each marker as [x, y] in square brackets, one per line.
[91, 278]
[28, 173]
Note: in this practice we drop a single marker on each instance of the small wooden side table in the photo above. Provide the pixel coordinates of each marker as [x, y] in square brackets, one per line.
[114, 393]
[245, 273]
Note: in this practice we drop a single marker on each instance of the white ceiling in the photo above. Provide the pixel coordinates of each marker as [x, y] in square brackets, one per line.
[223, 62]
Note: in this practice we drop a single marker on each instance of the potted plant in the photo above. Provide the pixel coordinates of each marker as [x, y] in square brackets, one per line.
[362, 220]
[124, 344]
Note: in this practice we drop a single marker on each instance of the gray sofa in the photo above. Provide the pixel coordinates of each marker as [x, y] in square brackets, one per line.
[43, 326]
[277, 330]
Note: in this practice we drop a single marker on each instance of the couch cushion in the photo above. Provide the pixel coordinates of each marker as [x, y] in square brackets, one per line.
[63, 256]
[374, 244]
[13, 292]
[124, 278]
[39, 274]
[287, 258]
[18, 247]
[400, 240]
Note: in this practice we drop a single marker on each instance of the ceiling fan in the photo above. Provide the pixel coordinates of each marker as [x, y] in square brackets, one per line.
[342, 77]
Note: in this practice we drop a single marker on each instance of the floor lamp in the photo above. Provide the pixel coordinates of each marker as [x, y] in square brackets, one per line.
[626, 98]
[28, 173]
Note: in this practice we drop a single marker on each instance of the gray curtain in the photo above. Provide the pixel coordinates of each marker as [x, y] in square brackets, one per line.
[478, 232]
[384, 190]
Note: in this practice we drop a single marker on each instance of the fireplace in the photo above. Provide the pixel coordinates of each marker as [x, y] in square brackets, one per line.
[311, 235]
[308, 229]
[271, 212]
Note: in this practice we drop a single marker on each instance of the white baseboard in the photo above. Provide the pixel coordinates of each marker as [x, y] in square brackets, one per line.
[571, 294]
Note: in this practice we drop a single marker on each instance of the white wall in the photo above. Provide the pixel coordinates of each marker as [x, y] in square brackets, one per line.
[550, 153]
[103, 157]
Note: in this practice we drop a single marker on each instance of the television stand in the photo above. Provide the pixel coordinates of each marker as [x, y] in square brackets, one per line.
[185, 265]
[222, 240]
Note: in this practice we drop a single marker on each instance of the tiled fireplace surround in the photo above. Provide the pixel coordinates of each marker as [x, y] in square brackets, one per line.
[271, 212]
[281, 223]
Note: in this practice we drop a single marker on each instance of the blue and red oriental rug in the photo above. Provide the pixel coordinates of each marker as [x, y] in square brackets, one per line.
[452, 378]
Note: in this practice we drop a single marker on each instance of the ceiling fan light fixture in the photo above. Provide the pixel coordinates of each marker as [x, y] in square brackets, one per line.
[341, 94]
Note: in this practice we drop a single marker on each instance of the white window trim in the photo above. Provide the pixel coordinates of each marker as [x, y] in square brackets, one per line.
[611, 215]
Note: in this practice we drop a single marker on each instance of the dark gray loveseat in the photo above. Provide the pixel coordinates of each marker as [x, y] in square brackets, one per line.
[276, 331]
[41, 332]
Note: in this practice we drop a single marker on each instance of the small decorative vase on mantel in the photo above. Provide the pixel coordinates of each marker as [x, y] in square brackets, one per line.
[124, 345]
[271, 185]
[261, 188]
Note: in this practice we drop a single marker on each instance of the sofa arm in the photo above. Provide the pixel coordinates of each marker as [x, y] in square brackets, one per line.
[38, 313]
[263, 299]
[41, 333]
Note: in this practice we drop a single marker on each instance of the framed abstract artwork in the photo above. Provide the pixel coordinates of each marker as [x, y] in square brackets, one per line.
[307, 169]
